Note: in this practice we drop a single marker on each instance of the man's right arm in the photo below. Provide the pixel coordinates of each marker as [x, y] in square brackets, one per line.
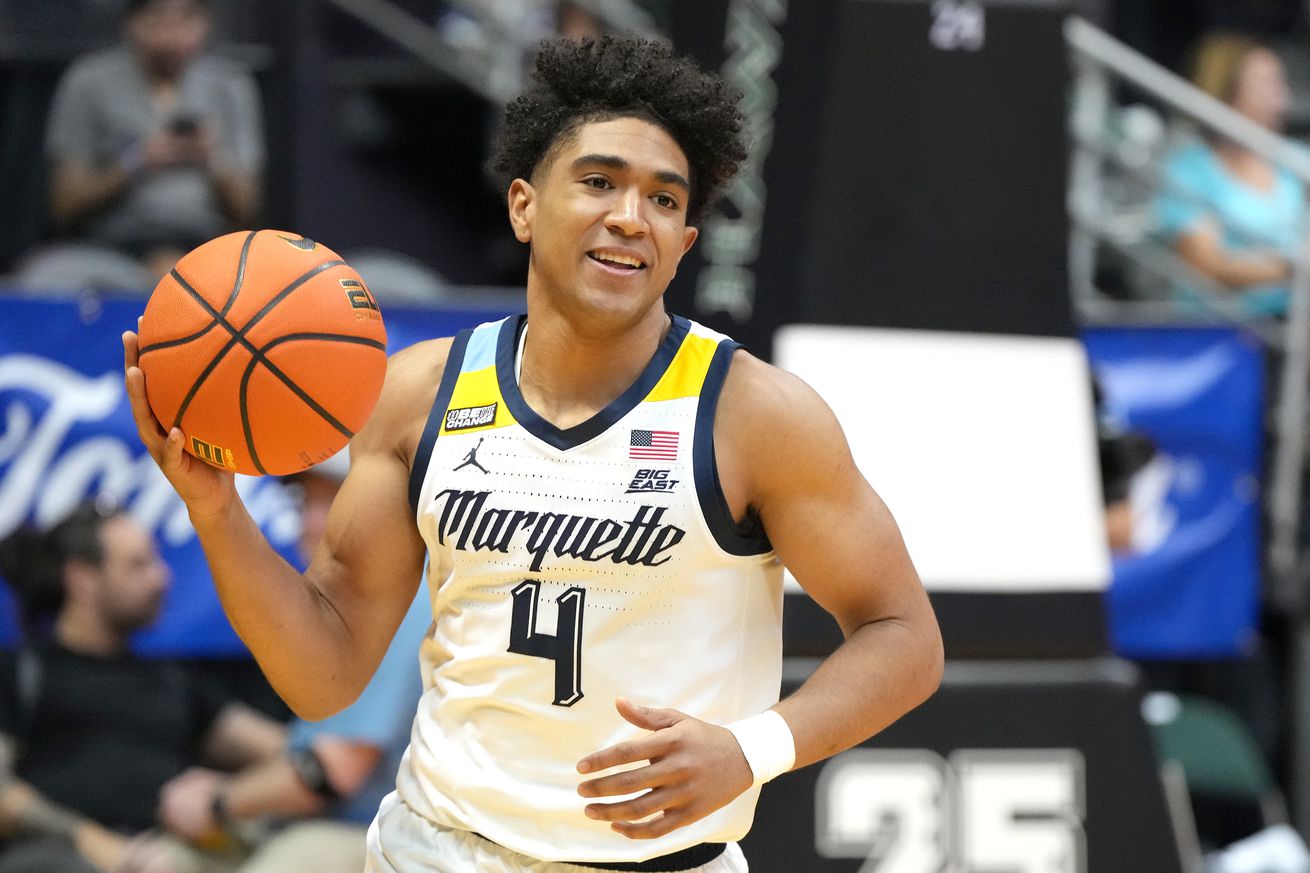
[317, 636]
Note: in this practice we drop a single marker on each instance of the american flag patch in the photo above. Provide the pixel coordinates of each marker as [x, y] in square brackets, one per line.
[653, 445]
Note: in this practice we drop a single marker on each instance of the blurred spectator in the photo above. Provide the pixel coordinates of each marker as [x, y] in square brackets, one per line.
[325, 788]
[155, 146]
[92, 732]
[1229, 213]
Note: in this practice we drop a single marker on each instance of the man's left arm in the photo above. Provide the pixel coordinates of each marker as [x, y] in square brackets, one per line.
[840, 541]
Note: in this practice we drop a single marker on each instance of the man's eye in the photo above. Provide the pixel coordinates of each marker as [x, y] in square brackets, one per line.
[666, 201]
[597, 182]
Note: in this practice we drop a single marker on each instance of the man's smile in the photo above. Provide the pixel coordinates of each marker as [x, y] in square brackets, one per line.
[615, 260]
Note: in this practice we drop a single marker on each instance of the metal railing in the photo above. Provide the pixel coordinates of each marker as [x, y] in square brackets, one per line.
[1100, 63]
[486, 69]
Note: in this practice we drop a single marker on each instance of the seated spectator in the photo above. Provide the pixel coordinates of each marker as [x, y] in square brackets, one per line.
[324, 790]
[1230, 214]
[155, 147]
[92, 732]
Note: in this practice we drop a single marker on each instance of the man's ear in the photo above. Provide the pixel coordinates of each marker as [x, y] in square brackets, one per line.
[522, 201]
[688, 238]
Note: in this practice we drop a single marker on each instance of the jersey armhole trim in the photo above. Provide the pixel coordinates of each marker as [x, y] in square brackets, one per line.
[748, 538]
[454, 363]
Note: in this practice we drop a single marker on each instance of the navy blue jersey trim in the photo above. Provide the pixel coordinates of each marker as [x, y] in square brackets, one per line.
[507, 346]
[747, 538]
[422, 457]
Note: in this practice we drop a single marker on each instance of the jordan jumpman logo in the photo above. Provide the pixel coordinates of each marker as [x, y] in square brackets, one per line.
[472, 458]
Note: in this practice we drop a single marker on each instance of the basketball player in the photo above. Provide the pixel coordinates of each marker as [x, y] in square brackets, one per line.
[603, 671]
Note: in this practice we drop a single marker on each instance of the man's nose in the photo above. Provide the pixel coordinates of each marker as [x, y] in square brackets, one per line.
[627, 215]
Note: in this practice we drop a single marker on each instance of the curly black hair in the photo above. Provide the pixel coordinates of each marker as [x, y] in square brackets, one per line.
[577, 82]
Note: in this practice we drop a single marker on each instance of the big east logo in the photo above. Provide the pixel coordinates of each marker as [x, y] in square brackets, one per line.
[651, 480]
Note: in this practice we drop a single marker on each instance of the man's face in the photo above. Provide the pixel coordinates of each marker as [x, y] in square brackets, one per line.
[168, 34]
[133, 579]
[606, 217]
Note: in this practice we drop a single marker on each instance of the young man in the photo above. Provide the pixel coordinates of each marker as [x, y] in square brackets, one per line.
[603, 672]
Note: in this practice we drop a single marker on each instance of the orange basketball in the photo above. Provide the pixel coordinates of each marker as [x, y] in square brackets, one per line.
[266, 349]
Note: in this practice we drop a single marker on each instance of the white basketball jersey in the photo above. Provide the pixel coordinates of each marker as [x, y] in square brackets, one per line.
[571, 567]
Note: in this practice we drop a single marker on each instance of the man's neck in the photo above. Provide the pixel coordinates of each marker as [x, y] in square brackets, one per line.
[87, 637]
[569, 376]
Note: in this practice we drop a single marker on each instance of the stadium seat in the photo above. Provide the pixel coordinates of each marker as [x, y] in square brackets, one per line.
[396, 278]
[1231, 785]
[73, 268]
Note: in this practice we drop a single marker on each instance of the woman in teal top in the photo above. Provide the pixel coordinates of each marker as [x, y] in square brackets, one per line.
[1230, 214]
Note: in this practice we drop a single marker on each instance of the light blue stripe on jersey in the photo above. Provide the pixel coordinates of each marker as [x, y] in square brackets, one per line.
[481, 351]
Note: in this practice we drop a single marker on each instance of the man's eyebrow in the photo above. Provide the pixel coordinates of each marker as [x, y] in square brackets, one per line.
[668, 177]
[614, 162]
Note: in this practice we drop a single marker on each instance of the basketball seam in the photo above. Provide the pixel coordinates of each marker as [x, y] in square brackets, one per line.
[204, 374]
[219, 316]
[327, 337]
[245, 418]
[231, 299]
[286, 292]
[300, 392]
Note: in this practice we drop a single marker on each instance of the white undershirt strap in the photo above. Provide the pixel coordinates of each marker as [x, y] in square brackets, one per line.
[518, 355]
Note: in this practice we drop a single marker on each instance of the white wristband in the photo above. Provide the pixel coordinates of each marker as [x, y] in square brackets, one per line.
[767, 743]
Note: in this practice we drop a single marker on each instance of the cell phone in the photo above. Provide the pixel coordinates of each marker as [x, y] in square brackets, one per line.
[184, 125]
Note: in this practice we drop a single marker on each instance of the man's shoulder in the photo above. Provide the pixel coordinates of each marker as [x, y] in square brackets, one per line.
[103, 68]
[771, 418]
[413, 376]
[99, 77]
[753, 385]
[417, 365]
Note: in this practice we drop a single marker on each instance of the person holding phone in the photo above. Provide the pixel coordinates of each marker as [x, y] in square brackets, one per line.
[154, 145]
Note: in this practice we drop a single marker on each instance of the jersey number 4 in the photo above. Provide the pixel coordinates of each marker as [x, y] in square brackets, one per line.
[564, 648]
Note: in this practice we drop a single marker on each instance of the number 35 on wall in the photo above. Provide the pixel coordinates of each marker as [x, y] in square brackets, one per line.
[912, 811]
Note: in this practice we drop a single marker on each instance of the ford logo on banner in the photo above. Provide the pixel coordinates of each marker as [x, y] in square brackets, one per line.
[66, 434]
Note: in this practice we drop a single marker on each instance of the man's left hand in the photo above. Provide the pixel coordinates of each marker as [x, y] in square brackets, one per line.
[694, 768]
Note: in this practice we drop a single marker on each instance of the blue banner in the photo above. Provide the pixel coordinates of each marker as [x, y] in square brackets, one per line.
[66, 433]
[1190, 585]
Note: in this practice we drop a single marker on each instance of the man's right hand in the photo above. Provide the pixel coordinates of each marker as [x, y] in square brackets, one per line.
[207, 491]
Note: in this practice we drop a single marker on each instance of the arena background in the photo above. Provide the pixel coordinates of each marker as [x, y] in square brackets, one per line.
[901, 239]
